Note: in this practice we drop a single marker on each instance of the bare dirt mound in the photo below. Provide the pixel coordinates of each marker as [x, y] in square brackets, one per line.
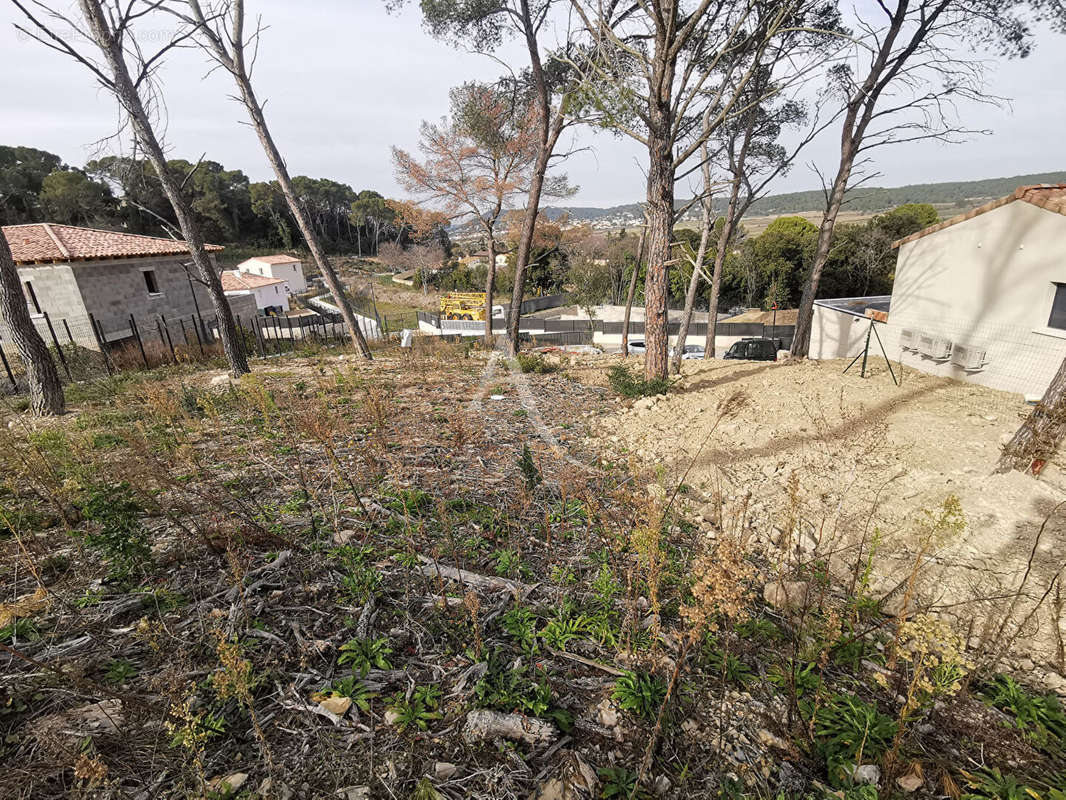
[851, 456]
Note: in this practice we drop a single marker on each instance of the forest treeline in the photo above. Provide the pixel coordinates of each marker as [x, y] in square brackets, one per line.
[963, 194]
[124, 193]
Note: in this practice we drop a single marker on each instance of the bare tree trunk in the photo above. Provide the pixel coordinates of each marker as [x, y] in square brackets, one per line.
[802, 337]
[127, 94]
[693, 284]
[549, 136]
[490, 289]
[719, 264]
[329, 275]
[230, 54]
[632, 290]
[660, 232]
[1039, 436]
[42, 377]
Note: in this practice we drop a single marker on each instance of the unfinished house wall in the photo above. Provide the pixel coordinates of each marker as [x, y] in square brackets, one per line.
[56, 292]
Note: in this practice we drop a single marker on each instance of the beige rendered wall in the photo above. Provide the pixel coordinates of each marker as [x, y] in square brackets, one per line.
[987, 282]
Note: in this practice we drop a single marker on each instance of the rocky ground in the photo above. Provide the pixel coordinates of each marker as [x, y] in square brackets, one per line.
[424, 577]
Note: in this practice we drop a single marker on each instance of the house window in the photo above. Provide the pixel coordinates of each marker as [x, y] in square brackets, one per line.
[31, 296]
[1058, 308]
[150, 282]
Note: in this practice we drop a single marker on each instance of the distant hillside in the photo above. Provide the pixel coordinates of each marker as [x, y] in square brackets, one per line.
[864, 198]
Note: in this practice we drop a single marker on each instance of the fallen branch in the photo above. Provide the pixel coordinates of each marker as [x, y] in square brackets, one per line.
[483, 724]
[434, 569]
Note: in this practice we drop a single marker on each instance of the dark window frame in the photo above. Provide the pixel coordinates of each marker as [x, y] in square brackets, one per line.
[151, 283]
[1057, 315]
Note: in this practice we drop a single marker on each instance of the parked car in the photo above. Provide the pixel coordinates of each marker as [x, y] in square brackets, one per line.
[692, 351]
[636, 346]
[753, 350]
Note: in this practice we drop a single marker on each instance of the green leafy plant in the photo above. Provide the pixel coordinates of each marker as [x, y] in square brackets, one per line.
[991, 784]
[355, 690]
[640, 693]
[758, 628]
[508, 562]
[513, 689]
[119, 671]
[718, 662]
[528, 467]
[807, 679]
[562, 630]
[419, 710]
[19, 630]
[621, 783]
[623, 382]
[849, 731]
[117, 533]
[361, 579]
[1040, 717]
[520, 623]
[425, 790]
[366, 654]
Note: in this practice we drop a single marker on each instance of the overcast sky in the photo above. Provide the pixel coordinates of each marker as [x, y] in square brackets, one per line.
[345, 81]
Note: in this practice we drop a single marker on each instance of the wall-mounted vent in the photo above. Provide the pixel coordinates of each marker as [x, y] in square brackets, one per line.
[935, 347]
[908, 340]
[968, 357]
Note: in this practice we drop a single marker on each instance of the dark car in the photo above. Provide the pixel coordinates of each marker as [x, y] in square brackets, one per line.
[753, 350]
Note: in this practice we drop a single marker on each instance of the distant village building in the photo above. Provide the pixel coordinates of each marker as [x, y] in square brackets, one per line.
[284, 267]
[980, 297]
[270, 294]
[74, 275]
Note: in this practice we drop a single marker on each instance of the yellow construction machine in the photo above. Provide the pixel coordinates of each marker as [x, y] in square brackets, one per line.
[463, 305]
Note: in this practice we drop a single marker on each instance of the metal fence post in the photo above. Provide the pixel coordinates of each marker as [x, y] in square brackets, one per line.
[59, 347]
[140, 344]
[199, 339]
[170, 342]
[162, 339]
[7, 368]
[98, 333]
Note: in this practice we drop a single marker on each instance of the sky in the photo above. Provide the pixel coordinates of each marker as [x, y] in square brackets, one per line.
[345, 81]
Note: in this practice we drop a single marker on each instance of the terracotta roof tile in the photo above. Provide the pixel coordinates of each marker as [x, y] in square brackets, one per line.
[47, 242]
[235, 281]
[1049, 196]
[275, 259]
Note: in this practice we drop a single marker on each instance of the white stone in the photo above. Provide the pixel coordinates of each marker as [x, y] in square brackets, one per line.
[867, 774]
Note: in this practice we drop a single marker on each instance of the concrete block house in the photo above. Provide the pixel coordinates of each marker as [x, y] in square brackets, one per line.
[70, 273]
[285, 268]
[980, 297]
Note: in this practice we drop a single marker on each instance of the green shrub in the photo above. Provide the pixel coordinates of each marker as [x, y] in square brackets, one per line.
[117, 530]
[850, 731]
[1040, 717]
[623, 382]
[366, 654]
[535, 363]
[640, 693]
[528, 468]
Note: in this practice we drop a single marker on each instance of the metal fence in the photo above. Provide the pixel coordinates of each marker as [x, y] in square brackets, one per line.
[86, 347]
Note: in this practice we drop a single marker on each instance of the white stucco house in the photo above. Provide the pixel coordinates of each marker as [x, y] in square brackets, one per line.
[270, 293]
[980, 297]
[283, 267]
